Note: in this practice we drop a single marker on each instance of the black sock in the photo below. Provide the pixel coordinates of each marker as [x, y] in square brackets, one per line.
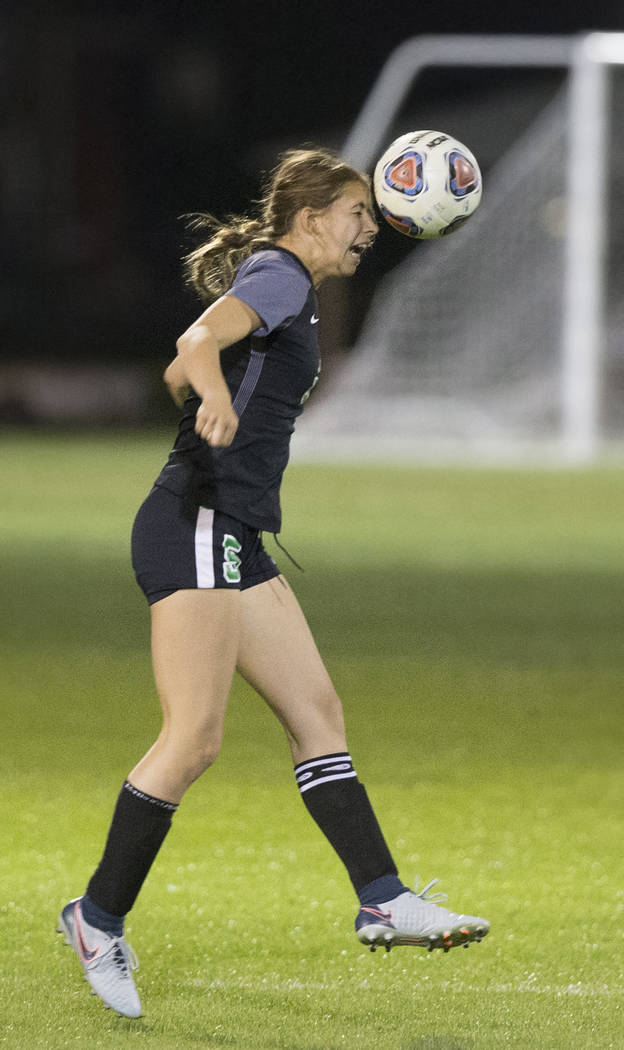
[138, 828]
[340, 806]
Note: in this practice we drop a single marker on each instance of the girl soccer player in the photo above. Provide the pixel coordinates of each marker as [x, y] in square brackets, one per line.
[218, 603]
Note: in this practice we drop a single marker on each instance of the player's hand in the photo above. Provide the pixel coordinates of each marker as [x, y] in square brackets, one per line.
[216, 421]
[176, 381]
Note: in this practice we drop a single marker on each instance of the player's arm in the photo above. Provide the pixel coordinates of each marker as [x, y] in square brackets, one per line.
[198, 365]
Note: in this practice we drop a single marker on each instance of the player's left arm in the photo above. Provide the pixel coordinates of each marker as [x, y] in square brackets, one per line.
[198, 365]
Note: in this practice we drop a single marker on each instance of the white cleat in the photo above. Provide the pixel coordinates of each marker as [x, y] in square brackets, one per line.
[418, 919]
[107, 961]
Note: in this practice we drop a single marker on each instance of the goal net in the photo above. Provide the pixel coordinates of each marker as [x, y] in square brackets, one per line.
[462, 353]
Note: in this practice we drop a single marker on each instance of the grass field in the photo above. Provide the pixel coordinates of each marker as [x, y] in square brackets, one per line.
[473, 623]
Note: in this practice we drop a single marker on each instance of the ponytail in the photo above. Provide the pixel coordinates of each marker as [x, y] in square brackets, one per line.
[210, 268]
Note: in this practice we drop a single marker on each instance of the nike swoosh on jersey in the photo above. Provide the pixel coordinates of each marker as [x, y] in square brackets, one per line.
[314, 319]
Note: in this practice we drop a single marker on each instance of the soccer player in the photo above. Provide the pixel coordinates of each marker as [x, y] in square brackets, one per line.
[218, 603]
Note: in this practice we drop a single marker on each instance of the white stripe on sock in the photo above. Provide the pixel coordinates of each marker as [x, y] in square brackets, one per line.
[322, 762]
[204, 561]
[323, 780]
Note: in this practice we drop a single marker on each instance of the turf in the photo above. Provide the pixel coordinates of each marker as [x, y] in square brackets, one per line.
[473, 624]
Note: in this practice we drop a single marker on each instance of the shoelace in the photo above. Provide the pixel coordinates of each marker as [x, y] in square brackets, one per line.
[132, 957]
[128, 954]
[432, 898]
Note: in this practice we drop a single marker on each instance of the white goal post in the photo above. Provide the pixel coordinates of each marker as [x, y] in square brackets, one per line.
[587, 59]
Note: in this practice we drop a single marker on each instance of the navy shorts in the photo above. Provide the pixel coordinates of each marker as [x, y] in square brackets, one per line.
[177, 545]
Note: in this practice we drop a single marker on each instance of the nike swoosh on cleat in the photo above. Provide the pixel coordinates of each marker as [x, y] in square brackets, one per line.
[87, 953]
[378, 913]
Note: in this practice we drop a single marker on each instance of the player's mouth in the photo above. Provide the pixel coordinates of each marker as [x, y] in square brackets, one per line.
[356, 251]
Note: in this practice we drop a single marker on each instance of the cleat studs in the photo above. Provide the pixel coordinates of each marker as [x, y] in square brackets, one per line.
[373, 947]
[467, 944]
[388, 946]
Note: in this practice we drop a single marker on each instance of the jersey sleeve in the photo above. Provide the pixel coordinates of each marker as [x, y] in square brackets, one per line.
[274, 286]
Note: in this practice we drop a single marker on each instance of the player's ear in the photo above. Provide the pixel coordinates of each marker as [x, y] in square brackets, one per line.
[307, 220]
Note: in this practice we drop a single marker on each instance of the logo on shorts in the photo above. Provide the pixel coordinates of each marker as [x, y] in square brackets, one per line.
[231, 560]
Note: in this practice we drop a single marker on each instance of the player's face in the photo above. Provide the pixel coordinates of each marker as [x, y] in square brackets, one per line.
[347, 229]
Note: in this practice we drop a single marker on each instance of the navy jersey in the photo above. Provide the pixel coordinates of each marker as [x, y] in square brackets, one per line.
[270, 375]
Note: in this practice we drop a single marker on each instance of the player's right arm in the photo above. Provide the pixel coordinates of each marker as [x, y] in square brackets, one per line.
[198, 365]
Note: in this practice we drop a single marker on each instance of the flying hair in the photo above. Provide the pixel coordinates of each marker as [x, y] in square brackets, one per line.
[308, 177]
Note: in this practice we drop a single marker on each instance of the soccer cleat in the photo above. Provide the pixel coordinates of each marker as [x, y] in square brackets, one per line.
[107, 960]
[415, 918]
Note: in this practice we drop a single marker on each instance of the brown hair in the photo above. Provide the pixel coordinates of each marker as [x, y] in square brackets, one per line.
[308, 177]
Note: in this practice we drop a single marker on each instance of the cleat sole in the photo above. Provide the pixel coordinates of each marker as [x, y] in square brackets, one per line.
[377, 936]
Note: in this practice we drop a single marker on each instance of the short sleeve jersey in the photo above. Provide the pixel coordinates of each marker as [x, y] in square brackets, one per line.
[270, 375]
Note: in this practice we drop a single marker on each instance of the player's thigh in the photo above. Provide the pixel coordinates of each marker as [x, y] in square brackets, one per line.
[279, 658]
[195, 641]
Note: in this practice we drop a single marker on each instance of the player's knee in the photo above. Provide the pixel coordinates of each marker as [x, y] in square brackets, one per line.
[329, 709]
[324, 719]
[203, 755]
[193, 755]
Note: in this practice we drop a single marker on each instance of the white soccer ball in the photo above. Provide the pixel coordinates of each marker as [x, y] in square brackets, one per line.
[427, 184]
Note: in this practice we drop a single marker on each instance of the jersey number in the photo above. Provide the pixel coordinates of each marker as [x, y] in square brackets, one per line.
[231, 560]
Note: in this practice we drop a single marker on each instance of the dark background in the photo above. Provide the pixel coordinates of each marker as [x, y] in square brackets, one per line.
[119, 118]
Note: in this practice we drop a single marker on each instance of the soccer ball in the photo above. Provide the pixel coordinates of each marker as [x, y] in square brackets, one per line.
[427, 184]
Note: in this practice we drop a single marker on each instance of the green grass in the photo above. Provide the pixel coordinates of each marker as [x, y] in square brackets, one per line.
[473, 623]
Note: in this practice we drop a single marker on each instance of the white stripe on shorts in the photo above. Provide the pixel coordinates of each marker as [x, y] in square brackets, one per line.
[204, 562]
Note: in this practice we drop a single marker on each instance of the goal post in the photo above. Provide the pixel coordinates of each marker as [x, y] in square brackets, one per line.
[584, 282]
[579, 330]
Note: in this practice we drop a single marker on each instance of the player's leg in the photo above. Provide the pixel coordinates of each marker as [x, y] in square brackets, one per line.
[279, 657]
[194, 646]
[195, 640]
